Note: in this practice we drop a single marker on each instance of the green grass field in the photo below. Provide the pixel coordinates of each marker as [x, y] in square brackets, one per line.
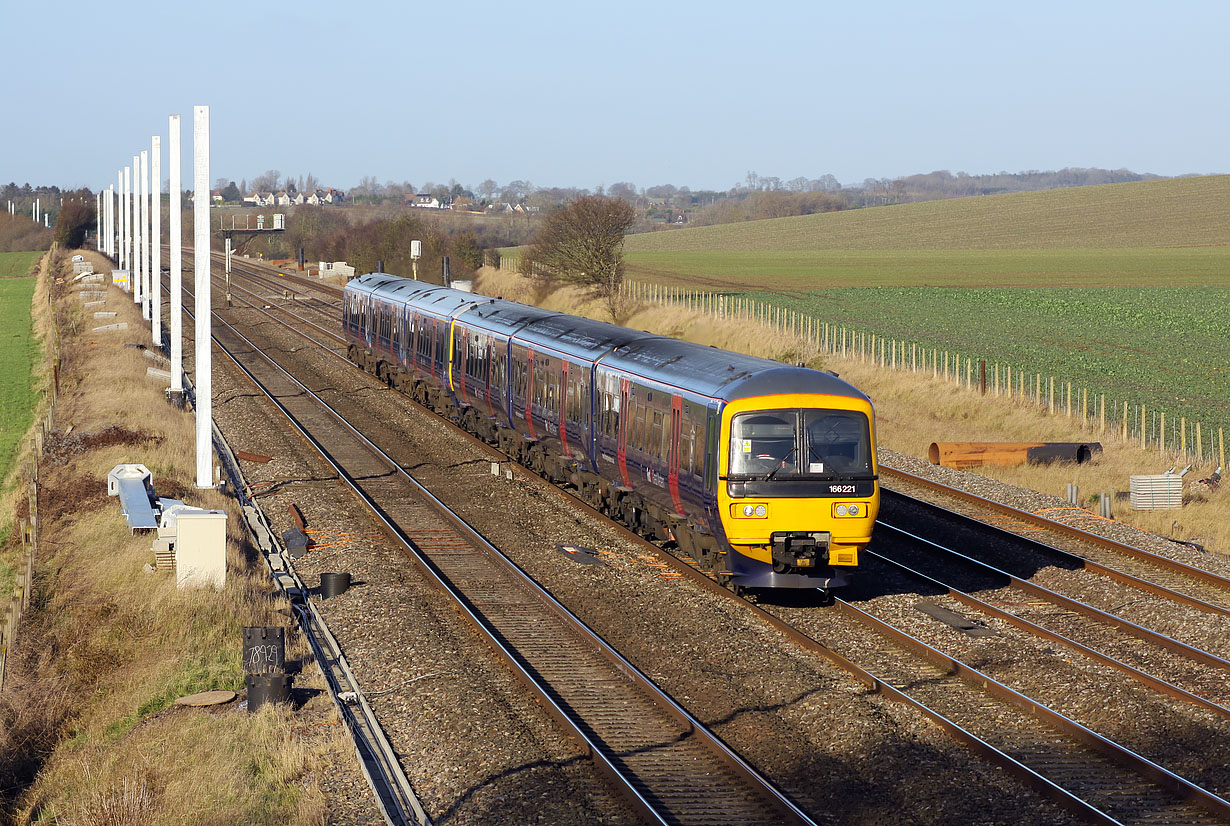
[1178, 212]
[18, 353]
[1124, 289]
[18, 263]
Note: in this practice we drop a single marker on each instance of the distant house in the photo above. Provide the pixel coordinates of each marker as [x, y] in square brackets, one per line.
[333, 196]
[426, 202]
[282, 198]
[215, 195]
[260, 199]
[316, 198]
[297, 199]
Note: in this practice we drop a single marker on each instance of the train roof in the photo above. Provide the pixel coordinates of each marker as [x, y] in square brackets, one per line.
[584, 337]
[719, 373]
[506, 317]
[707, 371]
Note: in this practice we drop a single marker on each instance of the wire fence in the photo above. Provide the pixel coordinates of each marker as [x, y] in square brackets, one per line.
[30, 527]
[1179, 438]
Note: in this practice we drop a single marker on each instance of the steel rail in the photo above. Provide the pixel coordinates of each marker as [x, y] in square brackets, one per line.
[1164, 778]
[1139, 554]
[1033, 779]
[1122, 577]
[787, 811]
[394, 794]
[1035, 629]
[295, 316]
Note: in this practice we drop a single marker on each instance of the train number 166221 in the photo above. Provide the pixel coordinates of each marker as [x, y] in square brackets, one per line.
[841, 488]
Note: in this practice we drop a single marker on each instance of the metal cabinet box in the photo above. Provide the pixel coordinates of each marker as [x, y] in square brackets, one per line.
[200, 549]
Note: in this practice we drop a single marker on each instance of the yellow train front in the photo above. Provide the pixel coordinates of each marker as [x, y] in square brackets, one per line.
[798, 491]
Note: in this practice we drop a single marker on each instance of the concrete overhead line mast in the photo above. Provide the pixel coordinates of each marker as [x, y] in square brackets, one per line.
[133, 242]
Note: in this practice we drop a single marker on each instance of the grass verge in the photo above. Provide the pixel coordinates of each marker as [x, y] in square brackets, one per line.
[90, 732]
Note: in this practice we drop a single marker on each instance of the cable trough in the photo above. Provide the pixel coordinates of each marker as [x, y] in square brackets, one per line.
[667, 764]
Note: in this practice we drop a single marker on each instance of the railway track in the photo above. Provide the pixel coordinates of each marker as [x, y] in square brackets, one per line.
[1152, 572]
[1062, 760]
[670, 767]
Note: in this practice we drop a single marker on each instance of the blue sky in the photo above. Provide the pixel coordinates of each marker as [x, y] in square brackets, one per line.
[579, 94]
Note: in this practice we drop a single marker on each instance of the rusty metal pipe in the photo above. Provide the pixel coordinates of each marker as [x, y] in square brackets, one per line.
[963, 455]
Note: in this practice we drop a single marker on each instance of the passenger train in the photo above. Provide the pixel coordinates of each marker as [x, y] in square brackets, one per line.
[764, 474]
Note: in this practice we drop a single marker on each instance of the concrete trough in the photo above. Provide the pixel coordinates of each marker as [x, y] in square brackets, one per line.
[106, 314]
[106, 328]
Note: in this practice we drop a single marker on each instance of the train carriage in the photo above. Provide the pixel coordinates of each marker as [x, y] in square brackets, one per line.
[764, 473]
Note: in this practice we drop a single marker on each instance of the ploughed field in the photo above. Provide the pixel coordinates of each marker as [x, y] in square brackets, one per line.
[1123, 289]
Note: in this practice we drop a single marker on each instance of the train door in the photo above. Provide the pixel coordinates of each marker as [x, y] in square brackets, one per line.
[672, 453]
[625, 418]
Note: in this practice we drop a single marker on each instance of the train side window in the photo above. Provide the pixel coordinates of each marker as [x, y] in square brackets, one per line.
[497, 373]
[658, 437]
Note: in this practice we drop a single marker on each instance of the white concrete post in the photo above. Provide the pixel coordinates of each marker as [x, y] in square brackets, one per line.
[134, 230]
[119, 185]
[126, 209]
[200, 225]
[156, 239]
[176, 298]
[145, 279]
[98, 219]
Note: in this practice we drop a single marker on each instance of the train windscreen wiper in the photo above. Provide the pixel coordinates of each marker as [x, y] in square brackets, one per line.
[782, 463]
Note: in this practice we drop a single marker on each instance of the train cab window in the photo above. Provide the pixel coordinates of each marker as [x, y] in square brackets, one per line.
[838, 442]
[764, 442]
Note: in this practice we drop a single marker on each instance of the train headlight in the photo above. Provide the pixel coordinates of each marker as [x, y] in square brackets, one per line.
[761, 510]
[749, 511]
[849, 510]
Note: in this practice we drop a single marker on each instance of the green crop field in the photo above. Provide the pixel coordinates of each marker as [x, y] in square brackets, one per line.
[18, 263]
[1123, 289]
[18, 354]
[1157, 345]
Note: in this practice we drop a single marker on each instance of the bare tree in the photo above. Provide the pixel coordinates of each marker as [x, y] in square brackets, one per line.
[267, 182]
[582, 243]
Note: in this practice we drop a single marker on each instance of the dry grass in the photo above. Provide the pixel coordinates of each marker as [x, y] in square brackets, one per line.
[109, 645]
[913, 410]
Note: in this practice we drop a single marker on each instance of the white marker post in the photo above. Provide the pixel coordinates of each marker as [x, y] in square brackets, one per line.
[119, 182]
[126, 209]
[176, 298]
[98, 219]
[156, 239]
[145, 234]
[134, 230]
[200, 247]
